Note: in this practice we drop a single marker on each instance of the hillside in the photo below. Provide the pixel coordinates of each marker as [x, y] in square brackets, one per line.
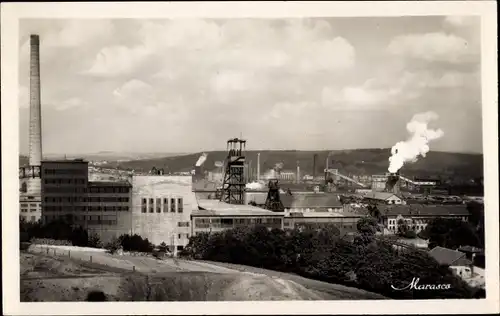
[359, 161]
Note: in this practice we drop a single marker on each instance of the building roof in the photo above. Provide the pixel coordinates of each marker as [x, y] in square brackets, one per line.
[109, 184]
[448, 257]
[470, 249]
[423, 210]
[314, 200]
[218, 208]
[383, 196]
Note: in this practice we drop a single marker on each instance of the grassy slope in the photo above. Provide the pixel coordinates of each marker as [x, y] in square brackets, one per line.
[44, 278]
[359, 161]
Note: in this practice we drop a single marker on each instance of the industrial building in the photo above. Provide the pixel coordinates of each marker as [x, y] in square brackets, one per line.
[161, 209]
[419, 216]
[214, 216]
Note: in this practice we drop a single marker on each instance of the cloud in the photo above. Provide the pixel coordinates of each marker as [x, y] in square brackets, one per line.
[432, 47]
[117, 60]
[70, 103]
[460, 21]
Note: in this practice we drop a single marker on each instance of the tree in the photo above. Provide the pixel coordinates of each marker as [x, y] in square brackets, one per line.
[450, 233]
[367, 226]
[113, 245]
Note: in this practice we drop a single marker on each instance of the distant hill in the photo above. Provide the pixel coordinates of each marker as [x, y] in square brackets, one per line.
[104, 156]
[358, 161]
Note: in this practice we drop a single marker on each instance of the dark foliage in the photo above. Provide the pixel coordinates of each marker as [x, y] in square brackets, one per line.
[450, 233]
[321, 253]
[58, 230]
[96, 296]
[135, 243]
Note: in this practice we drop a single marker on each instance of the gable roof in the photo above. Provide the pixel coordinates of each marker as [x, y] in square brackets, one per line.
[379, 195]
[448, 257]
[313, 201]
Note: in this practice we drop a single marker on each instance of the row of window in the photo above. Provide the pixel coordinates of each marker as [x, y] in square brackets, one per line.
[66, 181]
[231, 221]
[64, 189]
[109, 190]
[66, 171]
[86, 208]
[25, 210]
[30, 205]
[31, 219]
[86, 199]
[172, 205]
[183, 224]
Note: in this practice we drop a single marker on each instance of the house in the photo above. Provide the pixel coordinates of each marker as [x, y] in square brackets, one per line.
[453, 259]
[383, 197]
[417, 216]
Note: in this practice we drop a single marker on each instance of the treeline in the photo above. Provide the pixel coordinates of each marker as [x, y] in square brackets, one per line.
[364, 261]
[57, 230]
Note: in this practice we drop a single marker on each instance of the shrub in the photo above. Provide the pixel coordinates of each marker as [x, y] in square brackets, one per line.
[113, 246]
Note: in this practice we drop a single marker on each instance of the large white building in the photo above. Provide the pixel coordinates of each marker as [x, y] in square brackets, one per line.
[161, 209]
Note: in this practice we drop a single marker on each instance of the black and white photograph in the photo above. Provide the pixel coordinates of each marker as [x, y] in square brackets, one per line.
[246, 158]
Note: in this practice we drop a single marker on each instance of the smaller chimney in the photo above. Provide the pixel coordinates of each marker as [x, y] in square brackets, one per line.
[315, 157]
[298, 172]
[258, 166]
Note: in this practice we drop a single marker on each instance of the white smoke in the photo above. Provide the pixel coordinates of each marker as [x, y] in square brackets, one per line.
[201, 160]
[418, 142]
[256, 185]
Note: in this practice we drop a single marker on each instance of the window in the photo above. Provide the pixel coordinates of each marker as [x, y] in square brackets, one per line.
[183, 224]
[172, 205]
[179, 205]
[165, 205]
[179, 236]
[158, 205]
[33, 218]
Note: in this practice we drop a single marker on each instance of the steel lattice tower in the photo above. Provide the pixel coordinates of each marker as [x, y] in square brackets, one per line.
[233, 186]
[273, 201]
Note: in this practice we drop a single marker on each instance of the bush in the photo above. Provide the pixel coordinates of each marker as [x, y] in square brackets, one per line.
[113, 246]
[94, 241]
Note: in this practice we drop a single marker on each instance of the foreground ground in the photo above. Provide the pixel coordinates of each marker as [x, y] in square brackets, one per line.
[70, 274]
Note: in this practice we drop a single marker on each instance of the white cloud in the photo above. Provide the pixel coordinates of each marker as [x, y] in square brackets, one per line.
[432, 47]
[118, 60]
[461, 20]
[70, 103]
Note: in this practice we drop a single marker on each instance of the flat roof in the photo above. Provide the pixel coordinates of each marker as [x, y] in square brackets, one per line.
[64, 161]
[218, 208]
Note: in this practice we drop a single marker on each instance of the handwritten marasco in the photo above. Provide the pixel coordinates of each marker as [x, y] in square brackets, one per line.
[413, 285]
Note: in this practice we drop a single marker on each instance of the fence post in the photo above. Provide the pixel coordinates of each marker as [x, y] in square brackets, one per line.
[69, 253]
[54, 252]
[47, 250]
[133, 268]
[90, 258]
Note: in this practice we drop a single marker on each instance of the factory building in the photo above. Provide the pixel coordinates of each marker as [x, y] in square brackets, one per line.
[107, 209]
[161, 209]
[344, 221]
[418, 216]
[64, 188]
[215, 216]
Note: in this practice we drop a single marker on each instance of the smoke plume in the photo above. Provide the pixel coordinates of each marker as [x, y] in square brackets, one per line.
[418, 142]
[255, 186]
[273, 173]
[201, 160]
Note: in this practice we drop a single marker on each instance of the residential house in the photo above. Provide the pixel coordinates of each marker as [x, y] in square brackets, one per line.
[453, 259]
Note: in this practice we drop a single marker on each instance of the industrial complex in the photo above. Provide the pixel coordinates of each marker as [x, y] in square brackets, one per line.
[170, 208]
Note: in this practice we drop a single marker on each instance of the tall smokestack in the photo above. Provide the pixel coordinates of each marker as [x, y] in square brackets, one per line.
[35, 138]
[35, 130]
[258, 166]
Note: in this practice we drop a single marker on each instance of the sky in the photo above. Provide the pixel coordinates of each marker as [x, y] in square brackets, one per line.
[188, 85]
